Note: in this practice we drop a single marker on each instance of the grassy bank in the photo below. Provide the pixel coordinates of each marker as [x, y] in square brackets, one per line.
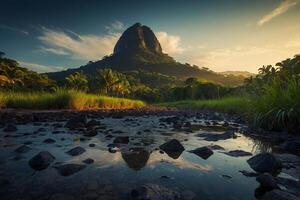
[64, 99]
[237, 105]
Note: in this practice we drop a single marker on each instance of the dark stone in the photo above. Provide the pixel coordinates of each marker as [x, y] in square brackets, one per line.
[49, 141]
[41, 161]
[173, 148]
[264, 162]
[155, 192]
[92, 145]
[76, 122]
[238, 153]
[203, 152]
[121, 140]
[226, 176]
[22, 149]
[267, 181]
[10, 128]
[215, 147]
[91, 133]
[88, 161]
[69, 169]
[76, 151]
[93, 123]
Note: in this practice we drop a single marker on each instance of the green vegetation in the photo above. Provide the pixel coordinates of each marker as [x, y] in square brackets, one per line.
[235, 105]
[64, 99]
[270, 100]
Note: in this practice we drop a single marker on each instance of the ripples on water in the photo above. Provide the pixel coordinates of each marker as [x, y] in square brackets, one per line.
[114, 174]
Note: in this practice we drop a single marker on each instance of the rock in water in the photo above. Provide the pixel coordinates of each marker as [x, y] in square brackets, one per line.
[155, 192]
[76, 151]
[203, 152]
[49, 141]
[88, 161]
[77, 122]
[267, 181]
[238, 153]
[121, 140]
[41, 161]
[279, 195]
[264, 162]
[173, 148]
[69, 169]
[22, 149]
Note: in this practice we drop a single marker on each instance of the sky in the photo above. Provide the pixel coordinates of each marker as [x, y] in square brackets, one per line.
[223, 35]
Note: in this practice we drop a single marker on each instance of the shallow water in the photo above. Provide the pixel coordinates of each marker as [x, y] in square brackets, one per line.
[114, 175]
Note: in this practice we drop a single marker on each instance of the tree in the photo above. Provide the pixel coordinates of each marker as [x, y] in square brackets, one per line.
[77, 81]
[113, 83]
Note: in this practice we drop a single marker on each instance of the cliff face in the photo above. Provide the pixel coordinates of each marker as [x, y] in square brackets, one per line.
[136, 39]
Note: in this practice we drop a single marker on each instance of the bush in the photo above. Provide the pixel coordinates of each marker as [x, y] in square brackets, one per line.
[279, 107]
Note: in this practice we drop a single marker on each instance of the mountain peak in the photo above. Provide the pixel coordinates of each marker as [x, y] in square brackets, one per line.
[138, 38]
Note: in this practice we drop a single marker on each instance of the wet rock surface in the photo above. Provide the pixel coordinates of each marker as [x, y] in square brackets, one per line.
[203, 152]
[265, 162]
[41, 161]
[76, 151]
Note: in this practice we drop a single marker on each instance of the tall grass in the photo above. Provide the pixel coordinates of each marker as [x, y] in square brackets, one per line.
[237, 105]
[64, 99]
[279, 107]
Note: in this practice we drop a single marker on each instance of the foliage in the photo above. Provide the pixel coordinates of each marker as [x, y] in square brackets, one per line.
[276, 96]
[77, 81]
[112, 82]
[14, 77]
[237, 105]
[197, 88]
[64, 99]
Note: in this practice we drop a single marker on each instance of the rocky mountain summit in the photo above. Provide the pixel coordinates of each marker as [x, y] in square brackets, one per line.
[138, 38]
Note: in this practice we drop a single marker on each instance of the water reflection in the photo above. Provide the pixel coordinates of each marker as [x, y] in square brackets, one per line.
[136, 158]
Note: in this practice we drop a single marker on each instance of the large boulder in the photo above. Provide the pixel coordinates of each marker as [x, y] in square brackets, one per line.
[203, 152]
[264, 162]
[41, 161]
[173, 148]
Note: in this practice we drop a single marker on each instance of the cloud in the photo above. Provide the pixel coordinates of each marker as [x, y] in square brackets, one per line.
[115, 27]
[240, 58]
[40, 68]
[86, 47]
[169, 43]
[293, 42]
[283, 7]
[14, 29]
